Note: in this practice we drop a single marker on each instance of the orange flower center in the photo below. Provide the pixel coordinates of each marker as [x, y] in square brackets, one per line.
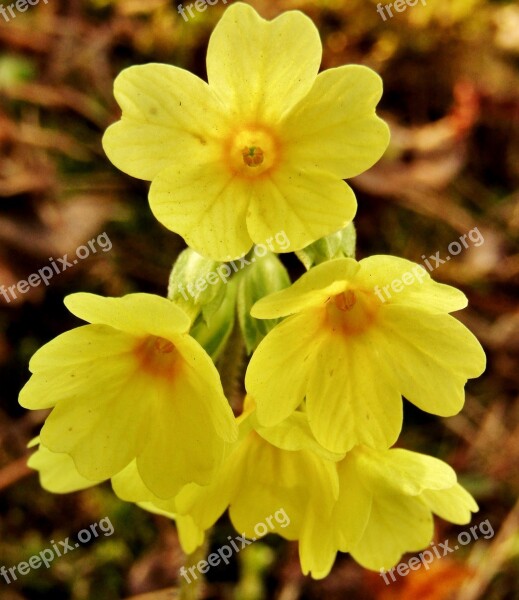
[352, 312]
[252, 152]
[345, 301]
[157, 356]
[252, 157]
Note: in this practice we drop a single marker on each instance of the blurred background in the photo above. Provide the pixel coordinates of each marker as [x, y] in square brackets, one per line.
[451, 75]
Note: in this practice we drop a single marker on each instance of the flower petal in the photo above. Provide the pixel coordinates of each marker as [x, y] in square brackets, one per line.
[294, 434]
[278, 371]
[190, 535]
[206, 205]
[361, 393]
[191, 420]
[57, 472]
[129, 486]
[161, 120]
[202, 381]
[304, 202]
[69, 362]
[140, 314]
[272, 483]
[383, 274]
[312, 289]
[94, 424]
[454, 504]
[317, 545]
[181, 446]
[80, 345]
[335, 127]
[261, 69]
[397, 524]
[403, 471]
[353, 508]
[432, 356]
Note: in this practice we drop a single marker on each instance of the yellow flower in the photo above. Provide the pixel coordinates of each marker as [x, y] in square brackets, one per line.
[384, 509]
[262, 147]
[353, 353]
[374, 504]
[132, 385]
[280, 471]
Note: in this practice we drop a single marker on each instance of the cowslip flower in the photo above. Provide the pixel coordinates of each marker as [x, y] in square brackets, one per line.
[264, 471]
[262, 147]
[131, 385]
[384, 509]
[353, 356]
[374, 504]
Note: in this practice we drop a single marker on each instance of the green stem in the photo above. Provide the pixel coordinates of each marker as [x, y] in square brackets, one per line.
[231, 365]
[195, 590]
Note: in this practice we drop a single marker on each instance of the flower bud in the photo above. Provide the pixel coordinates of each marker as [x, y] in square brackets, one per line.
[197, 283]
[212, 331]
[263, 277]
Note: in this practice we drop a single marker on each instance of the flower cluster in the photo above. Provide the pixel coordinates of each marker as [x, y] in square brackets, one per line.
[136, 397]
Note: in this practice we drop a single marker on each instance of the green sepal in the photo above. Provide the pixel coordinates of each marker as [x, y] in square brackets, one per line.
[264, 277]
[213, 334]
[340, 244]
[194, 284]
